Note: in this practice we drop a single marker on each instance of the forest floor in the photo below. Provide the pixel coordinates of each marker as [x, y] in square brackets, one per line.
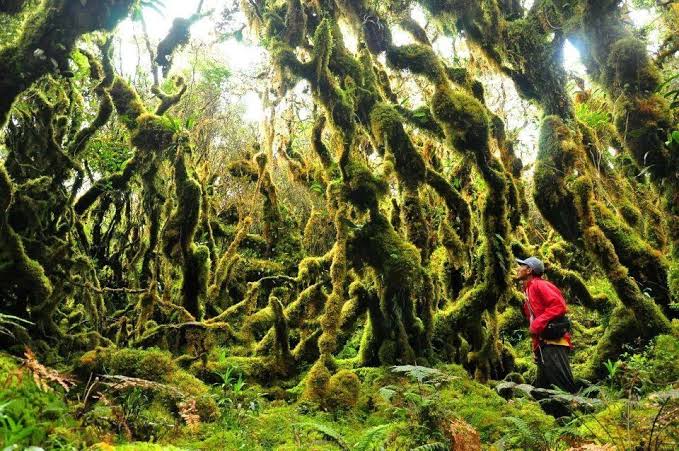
[130, 399]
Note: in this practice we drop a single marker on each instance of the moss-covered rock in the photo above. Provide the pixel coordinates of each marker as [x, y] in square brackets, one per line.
[152, 364]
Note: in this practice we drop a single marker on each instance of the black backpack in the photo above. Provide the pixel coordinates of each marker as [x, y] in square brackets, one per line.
[557, 328]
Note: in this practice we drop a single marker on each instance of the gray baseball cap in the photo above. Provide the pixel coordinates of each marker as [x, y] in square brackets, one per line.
[533, 263]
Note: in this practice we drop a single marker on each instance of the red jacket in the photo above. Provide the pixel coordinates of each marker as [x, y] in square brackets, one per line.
[544, 302]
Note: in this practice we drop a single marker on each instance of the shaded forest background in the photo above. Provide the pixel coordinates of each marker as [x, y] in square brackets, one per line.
[169, 272]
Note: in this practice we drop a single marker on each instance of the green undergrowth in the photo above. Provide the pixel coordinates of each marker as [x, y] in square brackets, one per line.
[143, 409]
[146, 400]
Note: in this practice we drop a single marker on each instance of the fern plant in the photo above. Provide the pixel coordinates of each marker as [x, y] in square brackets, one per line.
[327, 432]
[373, 438]
[422, 373]
[436, 446]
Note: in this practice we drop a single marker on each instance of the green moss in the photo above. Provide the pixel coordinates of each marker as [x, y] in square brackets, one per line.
[196, 277]
[139, 446]
[629, 68]
[418, 58]
[152, 364]
[552, 197]
[53, 29]
[177, 37]
[387, 127]
[646, 265]
[152, 133]
[244, 168]
[663, 357]
[343, 390]
[8, 364]
[378, 245]
[316, 382]
[486, 411]
[127, 103]
[362, 188]
[462, 117]
[17, 268]
[644, 121]
[621, 423]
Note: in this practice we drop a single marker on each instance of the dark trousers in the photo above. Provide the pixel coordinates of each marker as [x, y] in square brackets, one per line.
[554, 368]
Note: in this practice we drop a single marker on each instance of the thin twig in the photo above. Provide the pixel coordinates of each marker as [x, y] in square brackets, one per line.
[109, 289]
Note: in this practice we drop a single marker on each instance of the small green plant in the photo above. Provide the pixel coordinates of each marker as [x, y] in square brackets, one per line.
[133, 402]
[13, 431]
[419, 407]
[373, 438]
[594, 118]
[612, 369]
[28, 412]
[327, 432]
[231, 384]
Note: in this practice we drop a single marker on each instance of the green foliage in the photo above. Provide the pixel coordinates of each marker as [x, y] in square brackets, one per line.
[30, 415]
[214, 73]
[422, 374]
[155, 5]
[648, 369]
[373, 438]
[326, 431]
[436, 446]
[521, 435]
[107, 156]
[595, 119]
[670, 90]
[230, 387]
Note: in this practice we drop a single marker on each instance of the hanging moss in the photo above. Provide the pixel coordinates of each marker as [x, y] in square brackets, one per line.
[17, 269]
[177, 37]
[152, 133]
[295, 23]
[387, 127]
[552, 197]
[418, 58]
[646, 265]
[282, 332]
[128, 104]
[54, 28]
[363, 189]
[644, 309]
[227, 259]
[104, 75]
[458, 208]
[167, 101]
[417, 227]
[629, 68]
[463, 118]
[621, 63]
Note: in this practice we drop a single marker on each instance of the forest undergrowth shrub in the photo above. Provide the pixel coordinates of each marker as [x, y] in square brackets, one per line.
[32, 414]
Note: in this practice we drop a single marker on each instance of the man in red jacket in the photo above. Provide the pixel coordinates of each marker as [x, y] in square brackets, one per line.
[544, 303]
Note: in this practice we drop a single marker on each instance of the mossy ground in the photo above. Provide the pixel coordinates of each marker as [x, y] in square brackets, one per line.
[393, 408]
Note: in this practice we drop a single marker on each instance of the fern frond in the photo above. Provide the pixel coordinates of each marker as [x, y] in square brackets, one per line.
[421, 373]
[373, 437]
[328, 432]
[436, 446]
[525, 434]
